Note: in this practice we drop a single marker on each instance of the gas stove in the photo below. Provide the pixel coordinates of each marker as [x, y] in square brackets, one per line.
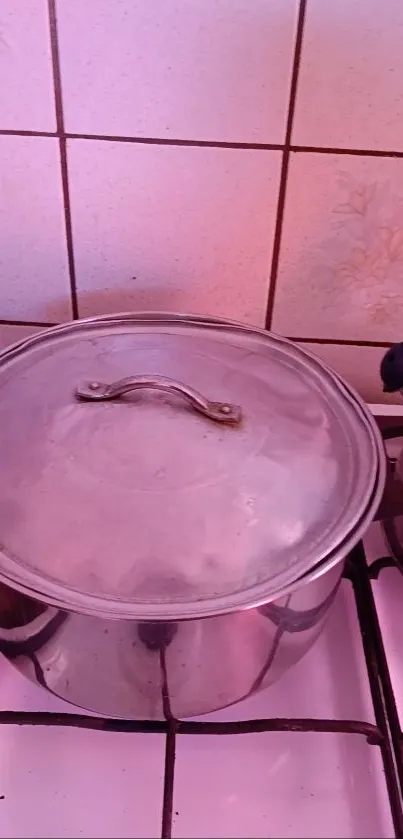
[318, 754]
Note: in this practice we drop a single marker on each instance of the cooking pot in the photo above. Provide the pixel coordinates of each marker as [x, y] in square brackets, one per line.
[177, 496]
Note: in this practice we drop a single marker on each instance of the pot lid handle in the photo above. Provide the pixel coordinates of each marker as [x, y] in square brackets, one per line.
[224, 412]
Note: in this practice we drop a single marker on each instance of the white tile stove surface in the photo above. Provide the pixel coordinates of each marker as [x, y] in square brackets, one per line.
[316, 755]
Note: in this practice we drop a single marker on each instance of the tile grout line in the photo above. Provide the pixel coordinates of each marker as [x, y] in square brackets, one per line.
[57, 89]
[210, 144]
[153, 141]
[337, 342]
[285, 164]
[353, 152]
[176, 141]
[34, 323]
[341, 342]
[21, 132]
[169, 775]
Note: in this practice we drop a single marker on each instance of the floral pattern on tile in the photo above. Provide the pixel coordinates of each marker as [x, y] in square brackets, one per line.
[341, 262]
[373, 220]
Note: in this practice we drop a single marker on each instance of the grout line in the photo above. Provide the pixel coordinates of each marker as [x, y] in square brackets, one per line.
[213, 144]
[169, 772]
[150, 141]
[57, 86]
[57, 81]
[285, 164]
[163, 141]
[341, 342]
[35, 323]
[338, 342]
[10, 132]
[69, 230]
[357, 152]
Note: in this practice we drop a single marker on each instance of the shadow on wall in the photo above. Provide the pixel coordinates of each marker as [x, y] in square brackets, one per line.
[112, 301]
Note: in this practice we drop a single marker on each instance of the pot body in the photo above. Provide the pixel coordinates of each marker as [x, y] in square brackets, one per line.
[122, 668]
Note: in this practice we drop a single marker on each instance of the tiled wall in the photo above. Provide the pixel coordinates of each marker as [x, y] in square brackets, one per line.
[235, 157]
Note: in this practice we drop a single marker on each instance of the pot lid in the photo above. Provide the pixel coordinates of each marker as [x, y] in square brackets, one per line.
[158, 466]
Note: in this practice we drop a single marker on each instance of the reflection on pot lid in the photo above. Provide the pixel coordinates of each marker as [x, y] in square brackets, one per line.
[158, 466]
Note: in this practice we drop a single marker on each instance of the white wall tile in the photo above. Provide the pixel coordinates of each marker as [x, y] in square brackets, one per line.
[75, 783]
[350, 92]
[180, 229]
[10, 334]
[215, 71]
[79, 783]
[286, 785]
[340, 273]
[26, 87]
[359, 366]
[34, 281]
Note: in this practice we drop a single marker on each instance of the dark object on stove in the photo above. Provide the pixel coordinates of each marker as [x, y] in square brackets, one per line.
[392, 369]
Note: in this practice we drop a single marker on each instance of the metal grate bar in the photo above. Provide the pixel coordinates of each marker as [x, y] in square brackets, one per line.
[380, 683]
[167, 804]
[255, 726]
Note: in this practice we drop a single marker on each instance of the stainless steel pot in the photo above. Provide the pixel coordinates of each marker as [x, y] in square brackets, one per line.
[177, 495]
